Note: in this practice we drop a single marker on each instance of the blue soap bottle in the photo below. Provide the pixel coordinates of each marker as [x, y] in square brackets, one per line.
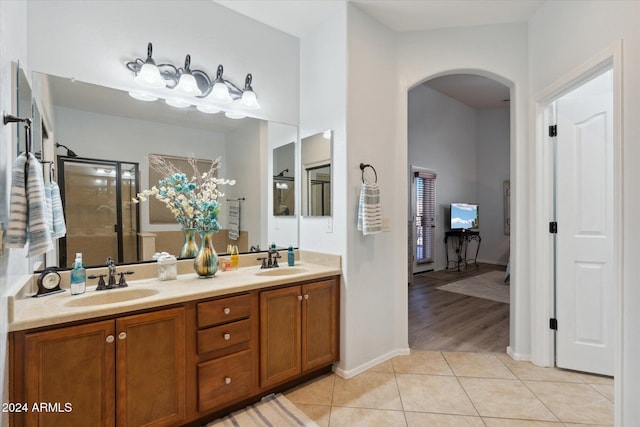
[291, 257]
[78, 277]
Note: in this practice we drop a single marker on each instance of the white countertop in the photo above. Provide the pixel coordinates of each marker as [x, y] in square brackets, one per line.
[28, 312]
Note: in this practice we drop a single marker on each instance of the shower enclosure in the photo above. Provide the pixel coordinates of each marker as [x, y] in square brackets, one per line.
[102, 221]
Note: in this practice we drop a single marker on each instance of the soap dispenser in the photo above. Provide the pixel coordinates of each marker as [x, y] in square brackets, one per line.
[78, 277]
[291, 257]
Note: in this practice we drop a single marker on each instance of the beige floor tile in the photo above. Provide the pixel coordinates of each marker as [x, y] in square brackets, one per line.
[319, 414]
[576, 403]
[529, 371]
[587, 425]
[503, 398]
[484, 365]
[359, 417]
[385, 366]
[605, 389]
[433, 393]
[376, 390]
[422, 419]
[506, 422]
[421, 362]
[318, 391]
[594, 379]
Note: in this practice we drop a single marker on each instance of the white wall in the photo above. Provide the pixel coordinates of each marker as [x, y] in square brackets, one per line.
[13, 264]
[375, 265]
[442, 137]
[498, 52]
[564, 35]
[91, 41]
[492, 166]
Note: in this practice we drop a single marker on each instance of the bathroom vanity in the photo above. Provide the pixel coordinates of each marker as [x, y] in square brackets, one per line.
[171, 353]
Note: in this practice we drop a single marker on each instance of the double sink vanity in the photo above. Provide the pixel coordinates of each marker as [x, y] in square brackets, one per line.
[170, 353]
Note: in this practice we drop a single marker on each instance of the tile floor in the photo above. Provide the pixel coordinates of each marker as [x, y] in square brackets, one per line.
[432, 388]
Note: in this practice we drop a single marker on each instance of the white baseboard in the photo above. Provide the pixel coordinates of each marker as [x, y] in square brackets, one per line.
[518, 357]
[378, 360]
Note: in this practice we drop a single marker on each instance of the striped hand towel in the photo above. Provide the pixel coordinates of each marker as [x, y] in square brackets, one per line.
[59, 225]
[47, 198]
[234, 219]
[369, 217]
[16, 235]
[38, 234]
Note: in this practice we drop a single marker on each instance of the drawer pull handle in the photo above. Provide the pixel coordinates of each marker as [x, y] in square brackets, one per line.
[227, 337]
[110, 339]
[227, 380]
[227, 310]
[299, 297]
[122, 335]
[306, 296]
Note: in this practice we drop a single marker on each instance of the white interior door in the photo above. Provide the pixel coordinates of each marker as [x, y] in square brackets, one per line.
[585, 240]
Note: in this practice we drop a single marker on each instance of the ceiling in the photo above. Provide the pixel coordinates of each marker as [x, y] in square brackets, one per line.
[297, 18]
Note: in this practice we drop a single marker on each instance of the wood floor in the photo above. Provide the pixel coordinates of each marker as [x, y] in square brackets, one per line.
[446, 321]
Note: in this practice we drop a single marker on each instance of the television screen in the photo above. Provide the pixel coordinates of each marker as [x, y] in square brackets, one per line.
[464, 216]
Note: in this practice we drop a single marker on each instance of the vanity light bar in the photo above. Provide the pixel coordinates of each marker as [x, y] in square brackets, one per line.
[187, 82]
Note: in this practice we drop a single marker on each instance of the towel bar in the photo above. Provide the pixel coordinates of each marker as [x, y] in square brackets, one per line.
[363, 167]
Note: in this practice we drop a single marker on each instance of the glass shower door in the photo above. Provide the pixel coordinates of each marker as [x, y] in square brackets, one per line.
[101, 220]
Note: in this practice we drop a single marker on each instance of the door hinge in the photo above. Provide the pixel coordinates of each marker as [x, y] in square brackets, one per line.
[553, 130]
[553, 324]
[553, 227]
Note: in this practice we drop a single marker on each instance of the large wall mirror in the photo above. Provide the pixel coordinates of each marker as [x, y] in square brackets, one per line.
[23, 107]
[316, 171]
[101, 123]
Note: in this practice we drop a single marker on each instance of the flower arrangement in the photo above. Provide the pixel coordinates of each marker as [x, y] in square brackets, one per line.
[193, 201]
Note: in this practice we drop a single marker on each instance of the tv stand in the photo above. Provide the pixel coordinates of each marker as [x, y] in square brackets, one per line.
[459, 240]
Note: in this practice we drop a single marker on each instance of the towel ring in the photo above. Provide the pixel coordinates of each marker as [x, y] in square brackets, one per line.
[363, 167]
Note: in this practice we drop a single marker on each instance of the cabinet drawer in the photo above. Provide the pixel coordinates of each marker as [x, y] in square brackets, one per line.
[224, 336]
[224, 310]
[223, 380]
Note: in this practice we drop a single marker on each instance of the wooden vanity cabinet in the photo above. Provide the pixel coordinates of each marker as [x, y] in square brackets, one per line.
[123, 372]
[298, 330]
[226, 348]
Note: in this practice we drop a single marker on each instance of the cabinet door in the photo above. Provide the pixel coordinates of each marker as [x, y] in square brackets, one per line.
[279, 335]
[319, 324]
[150, 382]
[71, 371]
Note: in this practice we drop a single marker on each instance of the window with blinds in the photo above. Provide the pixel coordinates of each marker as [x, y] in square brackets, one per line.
[425, 192]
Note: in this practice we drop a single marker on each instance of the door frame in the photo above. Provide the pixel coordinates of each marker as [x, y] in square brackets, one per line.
[543, 298]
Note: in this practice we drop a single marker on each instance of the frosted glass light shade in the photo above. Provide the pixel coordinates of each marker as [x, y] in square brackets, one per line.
[220, 93]
[235, 116]
[149, 76]
[207, 109]
[249, 100]
[187, 85]
[177, 103]
[143, 96]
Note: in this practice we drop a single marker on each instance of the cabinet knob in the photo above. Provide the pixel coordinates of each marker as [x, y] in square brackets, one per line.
[122, 335]
[227, 380]
[227, 310]
[306, 296]
[227, 337]
[110, 339]
[299, 297]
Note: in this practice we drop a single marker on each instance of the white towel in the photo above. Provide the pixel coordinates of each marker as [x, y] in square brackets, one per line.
[234, 219]
[369, 217]
[38, 235]
[16, 235]
[59, 225]
[47, 197]
[28, 208]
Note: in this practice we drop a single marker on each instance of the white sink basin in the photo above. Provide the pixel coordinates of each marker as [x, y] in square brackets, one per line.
[281, 271]
[109, 297]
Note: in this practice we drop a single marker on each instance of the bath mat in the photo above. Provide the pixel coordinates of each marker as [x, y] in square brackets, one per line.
[273, 410]
[489, 285]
